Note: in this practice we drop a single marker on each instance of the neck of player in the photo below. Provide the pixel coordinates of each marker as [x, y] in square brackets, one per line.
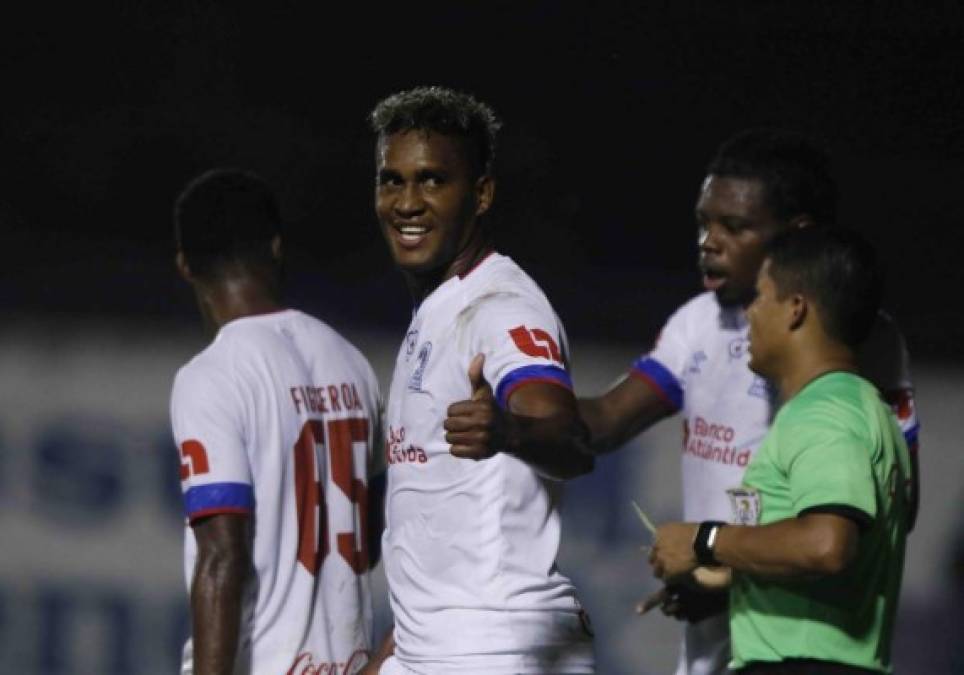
[235, 297]
[809, 361]
[421, 284]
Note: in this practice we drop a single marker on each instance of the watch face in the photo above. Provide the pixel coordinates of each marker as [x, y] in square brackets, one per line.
[711, 538]
[703, 544]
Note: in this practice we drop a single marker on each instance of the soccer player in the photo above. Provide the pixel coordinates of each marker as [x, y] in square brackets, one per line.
[760, 183]
[472, 528]
[824, 508]
[275, 421]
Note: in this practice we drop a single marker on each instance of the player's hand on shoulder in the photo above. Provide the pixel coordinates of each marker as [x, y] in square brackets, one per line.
[476, 427]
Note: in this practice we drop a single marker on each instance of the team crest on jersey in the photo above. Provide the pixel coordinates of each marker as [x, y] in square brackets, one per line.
[415, 381]
[760, 388]
[696, 363]
[738, 348]
[411, 339]
[745, 503]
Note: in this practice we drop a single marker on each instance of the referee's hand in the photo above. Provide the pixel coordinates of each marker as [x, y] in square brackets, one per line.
[672, 554]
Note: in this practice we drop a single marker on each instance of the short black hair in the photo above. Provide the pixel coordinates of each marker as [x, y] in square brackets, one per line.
[793, 168]
[225, 216]
[444, 111]
[837, 270]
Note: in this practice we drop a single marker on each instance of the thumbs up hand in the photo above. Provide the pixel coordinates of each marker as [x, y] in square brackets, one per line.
[476, 427]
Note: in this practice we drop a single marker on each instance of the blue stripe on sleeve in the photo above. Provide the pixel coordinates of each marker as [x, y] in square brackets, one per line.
[525, 374]
[910, 435]
[660, 376]
[218, 497]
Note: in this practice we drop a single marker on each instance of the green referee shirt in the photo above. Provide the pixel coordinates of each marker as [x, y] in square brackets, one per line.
[833, 447]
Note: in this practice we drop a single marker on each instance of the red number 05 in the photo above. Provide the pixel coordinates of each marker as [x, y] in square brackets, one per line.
[313, 543]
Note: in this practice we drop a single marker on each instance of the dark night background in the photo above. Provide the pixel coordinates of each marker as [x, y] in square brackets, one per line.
[611, 112]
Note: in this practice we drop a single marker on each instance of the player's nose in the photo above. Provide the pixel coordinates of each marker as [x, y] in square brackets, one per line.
[709, 241]
[410, 202]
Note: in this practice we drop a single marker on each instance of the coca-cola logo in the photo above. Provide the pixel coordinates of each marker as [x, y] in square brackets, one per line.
[305, 664]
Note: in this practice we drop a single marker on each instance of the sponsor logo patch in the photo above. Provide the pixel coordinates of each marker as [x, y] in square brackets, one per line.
[745, 505]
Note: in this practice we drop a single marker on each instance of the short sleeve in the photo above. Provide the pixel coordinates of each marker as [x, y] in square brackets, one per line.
[828, 466]
[522, 341]
[662, 368]
[207, 417]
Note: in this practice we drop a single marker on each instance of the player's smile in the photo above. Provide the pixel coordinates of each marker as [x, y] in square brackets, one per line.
[410, 236]
[428, 197]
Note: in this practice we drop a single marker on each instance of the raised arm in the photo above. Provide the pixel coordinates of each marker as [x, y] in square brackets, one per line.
[223, 563]
[630, 407]
[540, 425]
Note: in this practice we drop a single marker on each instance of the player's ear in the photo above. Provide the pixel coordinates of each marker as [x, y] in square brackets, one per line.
[180, 262]
[276, 249]
[484, 193]
[798, 308]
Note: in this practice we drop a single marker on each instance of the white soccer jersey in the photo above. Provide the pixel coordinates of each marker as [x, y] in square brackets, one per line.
[277, 419]
[699, 366]
[470, 546]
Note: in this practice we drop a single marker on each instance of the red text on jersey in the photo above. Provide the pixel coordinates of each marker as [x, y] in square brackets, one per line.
[326, 399]
[397, 453]
[305, 664]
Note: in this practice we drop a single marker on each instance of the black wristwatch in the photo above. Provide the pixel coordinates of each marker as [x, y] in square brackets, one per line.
[705, 540]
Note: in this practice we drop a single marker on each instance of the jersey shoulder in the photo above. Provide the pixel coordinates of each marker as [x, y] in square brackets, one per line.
[699, 317]
[834, 400]
[212, 361]
[208, 374]
[501, 280]
[500, 272]
[505, 297]
[333, 342]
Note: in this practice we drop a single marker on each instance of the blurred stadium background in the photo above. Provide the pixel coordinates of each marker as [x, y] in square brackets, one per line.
[611, 115]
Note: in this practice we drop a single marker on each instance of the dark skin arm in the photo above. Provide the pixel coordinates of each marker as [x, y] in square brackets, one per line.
[223, 563]
[541, 426]
[630, 407]
[815, 544]
[384, 650]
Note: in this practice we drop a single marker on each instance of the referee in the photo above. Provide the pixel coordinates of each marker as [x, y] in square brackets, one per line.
[817, 560]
